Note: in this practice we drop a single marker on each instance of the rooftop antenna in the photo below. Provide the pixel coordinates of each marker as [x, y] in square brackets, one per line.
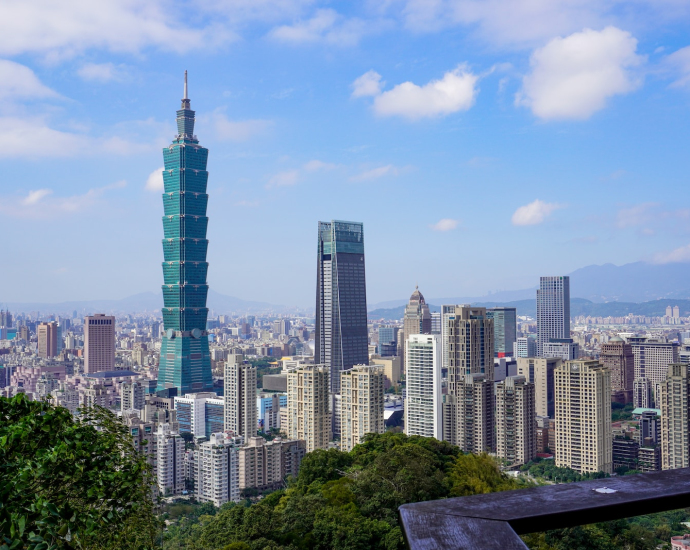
[185, 86]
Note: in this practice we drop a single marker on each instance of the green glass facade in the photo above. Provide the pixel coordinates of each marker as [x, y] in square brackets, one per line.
[185, 361]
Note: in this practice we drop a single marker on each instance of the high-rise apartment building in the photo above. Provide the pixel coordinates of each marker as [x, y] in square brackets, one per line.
[652, 357]
[447, 314]
[361, 404]
[99, 343]
[217, 469]
[505, 330]
[341, 338]
[309, 418]
[539, 371]
[47, 339]
[132, 396]
[516, 437]
[583, 416]
[265, 464]
[200, 414]
[675, 418]
[468, 407]
[169, 461]
[617, 356]
[241, 413]
[417, 319]
[423, 386]
[185, 361]
[642, 393]
[553, 310]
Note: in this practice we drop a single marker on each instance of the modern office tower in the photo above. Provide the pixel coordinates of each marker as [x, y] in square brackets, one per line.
[60, 342]
[525, 347]
[5, 319]
[423, 386]
[505, 330]
[516, 438]
[361, 404]
[583, 416]
[417, 319]
[564, 349]
[388, 341]
[269, 406]
[447, 313]
[468, 407]
[217, 469]
[132, 396]
[553, 310]
[47, 339]
[309, 418]
[652, 358]
[266, 464]
[436, 322]
[539, 371]
[618, 357]
[341, 336]
[642, 393]
[191, 412]
[468, 414]
[675, 418]
[185, 362]
[99, 343]
[241, 414]
[169, 461]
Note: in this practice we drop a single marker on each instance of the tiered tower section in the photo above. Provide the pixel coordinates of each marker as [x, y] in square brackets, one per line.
[185, 360]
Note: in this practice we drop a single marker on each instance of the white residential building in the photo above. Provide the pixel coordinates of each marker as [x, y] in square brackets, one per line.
[216, 469]
[423, 386]
[170, 461]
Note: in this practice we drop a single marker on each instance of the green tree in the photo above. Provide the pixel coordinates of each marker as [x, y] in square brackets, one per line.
[66, 484]
[477, 474]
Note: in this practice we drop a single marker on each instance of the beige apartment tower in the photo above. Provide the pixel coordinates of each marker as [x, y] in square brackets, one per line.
[47, 339]
[417, 320]
[617, 356]
[265, 464]
[583, 416]
[241, 413]
[675, 418]
[99, 343]
[309, 418]
[516, 424]
[539, 371]
[361, 404]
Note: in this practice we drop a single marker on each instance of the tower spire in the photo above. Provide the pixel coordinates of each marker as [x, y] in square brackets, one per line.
[185, 99]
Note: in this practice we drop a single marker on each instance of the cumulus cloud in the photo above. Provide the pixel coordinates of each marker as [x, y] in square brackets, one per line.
[677, 256]
[291, 177]
[284, 179]
[369, 84]
[573, 77]
[456, 91]
[35, 196]
[18, 82]
[326, 25]
[376, 173]
[101, 72]
[155, 181]
[534, 213]
[679, 63]
[445, 224]
[238, 130]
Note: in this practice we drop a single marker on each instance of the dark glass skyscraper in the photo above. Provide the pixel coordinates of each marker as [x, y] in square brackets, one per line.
[505, 329]
[185, 361]
[341, 299]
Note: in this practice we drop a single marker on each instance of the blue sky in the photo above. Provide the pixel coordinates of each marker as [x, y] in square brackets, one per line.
[481, 143]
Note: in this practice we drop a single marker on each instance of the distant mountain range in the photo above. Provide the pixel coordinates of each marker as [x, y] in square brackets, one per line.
[146, 302]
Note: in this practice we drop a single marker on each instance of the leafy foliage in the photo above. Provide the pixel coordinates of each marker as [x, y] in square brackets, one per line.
[546, 469]
[66, 484]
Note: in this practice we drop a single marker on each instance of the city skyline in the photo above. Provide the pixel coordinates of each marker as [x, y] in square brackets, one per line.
[309, 100]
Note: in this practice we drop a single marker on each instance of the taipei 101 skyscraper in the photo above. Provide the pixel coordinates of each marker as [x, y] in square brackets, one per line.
[185, 361]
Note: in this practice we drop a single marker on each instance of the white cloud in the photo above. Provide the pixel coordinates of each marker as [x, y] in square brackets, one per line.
[679, 63]
[316, 165]
[238, 130]
[34, 196]
[284, 179]
[534, 213]
[679, 255]
[18, 82]
[326, 25]
[101, 72]
[445, 224]
[376, 173]
[454, 92]
[636, 215]
[572, 77]
[155, 180]
[43, 204]
[369, 84]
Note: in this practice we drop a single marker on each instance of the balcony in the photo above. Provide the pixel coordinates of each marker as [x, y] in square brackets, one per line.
[497, 520]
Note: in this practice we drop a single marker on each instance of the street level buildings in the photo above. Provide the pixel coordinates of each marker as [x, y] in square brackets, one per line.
[341, 337]
[185, 361]
[583, 416]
